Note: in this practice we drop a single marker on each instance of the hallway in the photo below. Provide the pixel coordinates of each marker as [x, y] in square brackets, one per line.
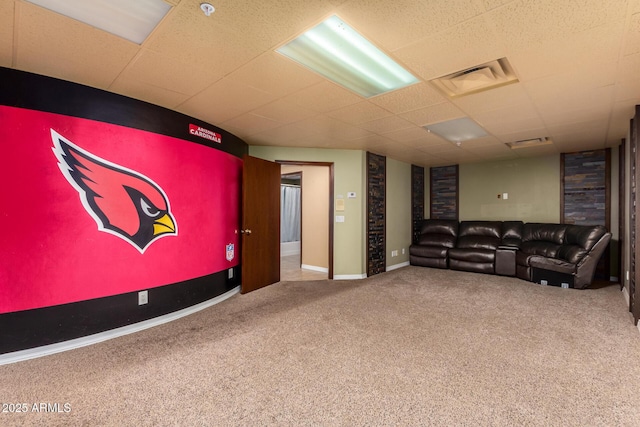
[290, 270]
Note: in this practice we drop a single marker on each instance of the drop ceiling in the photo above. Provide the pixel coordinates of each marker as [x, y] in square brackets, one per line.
[577, 65]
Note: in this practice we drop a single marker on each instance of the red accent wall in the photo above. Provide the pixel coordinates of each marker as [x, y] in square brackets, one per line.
[51, 250]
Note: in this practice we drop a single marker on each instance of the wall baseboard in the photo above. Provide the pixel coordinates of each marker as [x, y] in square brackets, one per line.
[349, 276]
[397, 266]
[314, 268]
[32, 353]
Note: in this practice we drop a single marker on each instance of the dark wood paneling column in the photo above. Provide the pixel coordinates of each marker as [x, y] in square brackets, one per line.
[417, 199]
[376, 207]
[444, 198]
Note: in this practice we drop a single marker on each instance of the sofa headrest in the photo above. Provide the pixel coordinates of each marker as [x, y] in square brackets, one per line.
[553, 233]
[480, 228]
[439, 226]
[584, 236]
[512, 229]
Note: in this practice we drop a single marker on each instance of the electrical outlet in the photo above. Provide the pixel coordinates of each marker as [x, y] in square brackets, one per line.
[230, 274]
[544, 282]
[402, 251]
[143, 297]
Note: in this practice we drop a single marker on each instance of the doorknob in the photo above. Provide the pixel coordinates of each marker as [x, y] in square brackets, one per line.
[247, 231]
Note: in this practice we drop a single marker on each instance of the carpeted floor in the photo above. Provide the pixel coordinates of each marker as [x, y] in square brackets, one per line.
[415, 346]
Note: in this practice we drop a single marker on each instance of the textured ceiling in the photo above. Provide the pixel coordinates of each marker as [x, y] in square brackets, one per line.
[578, 65]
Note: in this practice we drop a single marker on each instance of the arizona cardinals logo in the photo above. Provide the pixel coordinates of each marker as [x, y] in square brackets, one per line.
[124, 203]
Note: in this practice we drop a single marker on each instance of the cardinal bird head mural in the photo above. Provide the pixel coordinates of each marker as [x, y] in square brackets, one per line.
[124, 203]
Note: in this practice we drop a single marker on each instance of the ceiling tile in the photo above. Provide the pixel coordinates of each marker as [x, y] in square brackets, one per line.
[543, 150]
[58, 46]
[149, 93]
[358, 113]
[578, 53]
[408, 134]
[158, 70]
[458, 48]
[522, 24]
[386, 125]
[500, 98]
[283, 135]
[629, 66]
[392, 25]
[6, 33]
[323, 97]
[335, 129]
[224, 100]
[416, 96]
[433, 114]
[250, 123]
[284, 112]
[275, 74]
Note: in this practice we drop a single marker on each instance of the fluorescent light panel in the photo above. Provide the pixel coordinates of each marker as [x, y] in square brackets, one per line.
[457, 130]
[130, 19]
[336, 51]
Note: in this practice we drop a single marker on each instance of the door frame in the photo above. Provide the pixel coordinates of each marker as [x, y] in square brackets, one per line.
[331, 204]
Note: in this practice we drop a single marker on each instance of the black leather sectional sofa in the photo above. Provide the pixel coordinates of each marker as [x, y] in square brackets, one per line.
[555, 254]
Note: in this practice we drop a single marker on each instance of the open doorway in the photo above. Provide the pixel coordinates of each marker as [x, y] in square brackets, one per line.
[306, 226]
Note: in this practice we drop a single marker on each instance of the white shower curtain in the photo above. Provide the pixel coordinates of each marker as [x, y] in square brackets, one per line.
[289, 213]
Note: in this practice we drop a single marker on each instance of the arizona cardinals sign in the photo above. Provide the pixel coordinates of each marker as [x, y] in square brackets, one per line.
[124, 203]
[95, 209]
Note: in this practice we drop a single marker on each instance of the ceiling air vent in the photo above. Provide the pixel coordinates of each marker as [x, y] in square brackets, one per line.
[526, 143]
[478, 78]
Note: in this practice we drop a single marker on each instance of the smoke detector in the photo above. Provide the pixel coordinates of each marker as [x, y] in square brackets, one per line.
[477, 78]
[207, 8]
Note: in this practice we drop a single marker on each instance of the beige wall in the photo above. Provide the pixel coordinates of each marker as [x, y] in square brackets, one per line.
[349, 250]
[315, 214]
[533, 186]
[398, 211]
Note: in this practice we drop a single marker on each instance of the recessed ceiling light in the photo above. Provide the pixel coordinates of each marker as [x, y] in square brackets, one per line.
[131, 20]
[457, 130]
[338, 52]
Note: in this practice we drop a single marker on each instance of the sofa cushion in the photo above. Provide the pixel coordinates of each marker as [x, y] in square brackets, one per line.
[553, 233]
[511, 234]
[584, 236]
[480, 228]
[439, 226]
[478, 242]
[473, 255]
[571, 253]
[543, 248]
[428, 251]
[438, 240]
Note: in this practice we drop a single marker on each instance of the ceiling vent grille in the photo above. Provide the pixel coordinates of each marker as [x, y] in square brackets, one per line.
[526, 143]
[477, 78]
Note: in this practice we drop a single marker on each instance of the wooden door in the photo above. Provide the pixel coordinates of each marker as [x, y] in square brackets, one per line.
[260, 223]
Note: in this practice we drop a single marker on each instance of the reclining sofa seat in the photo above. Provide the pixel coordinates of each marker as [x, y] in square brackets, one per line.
[476, 246]
[436, 237]
[538, 239]
[576, 260]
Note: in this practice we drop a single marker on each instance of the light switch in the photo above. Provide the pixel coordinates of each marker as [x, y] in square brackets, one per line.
[505, 196]
[339, 218]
